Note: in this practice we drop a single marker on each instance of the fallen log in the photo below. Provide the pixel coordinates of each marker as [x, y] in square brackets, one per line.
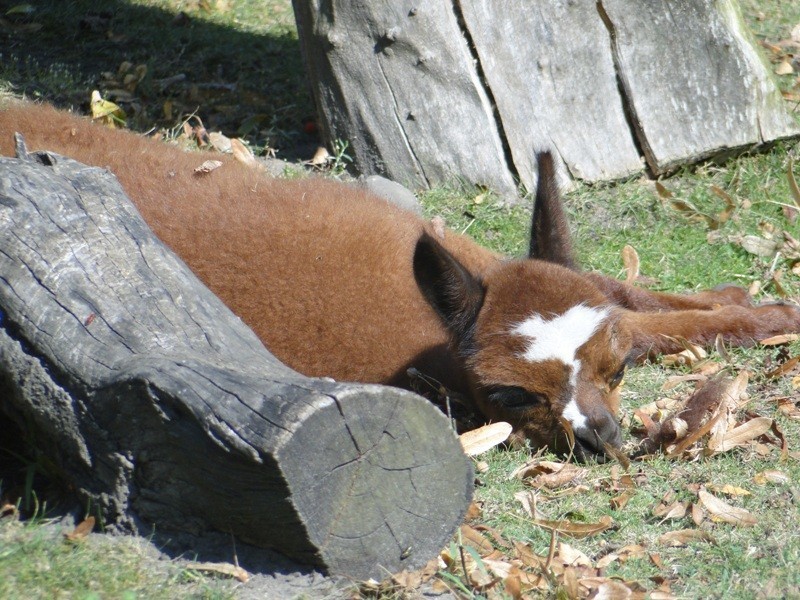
[159, 406]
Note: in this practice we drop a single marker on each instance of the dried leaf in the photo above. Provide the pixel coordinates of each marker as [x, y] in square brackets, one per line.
[663, 192]
[568, 555]
[788, 408]
[793, 183]
[619, 502]
[698, 514]
[106, 111]
[744, 433]
[473, 512]
[771, 476]
[528, 557]
[673, 511]
[226, 569]
[759, 246]
[484, 438]
[630, 258]
[683, 537]
[208, 166]
[576, 530]
[221, 142]
[784, 68]
[605, 588]
[528, 500]
[321, 157]
[476, 539]
[730, 205]
[243, 154]
[722, 511]
[83, 529]
[784, 369]
[728, 489]
[778, 340]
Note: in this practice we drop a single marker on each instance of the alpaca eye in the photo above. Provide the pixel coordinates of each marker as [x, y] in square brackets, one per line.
[617, 378]
[514, 397]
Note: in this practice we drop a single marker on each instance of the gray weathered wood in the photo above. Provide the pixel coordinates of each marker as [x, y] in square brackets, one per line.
[552, 77]
[429, 92]
[695, 85]
[161, 407]
[397, 81]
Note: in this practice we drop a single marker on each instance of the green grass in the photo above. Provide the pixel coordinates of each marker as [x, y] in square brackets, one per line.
[244, 75]
[37, 562]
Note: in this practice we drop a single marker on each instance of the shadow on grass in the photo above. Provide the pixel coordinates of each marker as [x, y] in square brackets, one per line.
[246, 80]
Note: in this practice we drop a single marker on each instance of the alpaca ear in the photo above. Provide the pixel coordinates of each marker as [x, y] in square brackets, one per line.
[550, 238]
[453, 292]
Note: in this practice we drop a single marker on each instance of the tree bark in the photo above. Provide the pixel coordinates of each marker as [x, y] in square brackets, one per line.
[430, 92]
[161, 407]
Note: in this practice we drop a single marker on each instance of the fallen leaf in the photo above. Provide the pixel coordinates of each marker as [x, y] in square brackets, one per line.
[630, 258]
[783, 369]
[743, 433]
[698, 514]
[728, 489]
[476, 539]
[226, 569]
[576, 530]
[207, 167]
[663, 192]
[484, 438]
[321, 157]
[528, 557]
[683, 537]
[243, 154]
[106, 111]
[759, 246]
[788, 408]
[572, 556]
[771, 476]
[513, 584]
[784, 68]
[495, 535]
[674, 511]
[730, 205]
[722, 511]
[473, 512]
[778, 340]
[619, 502]
[528, 500]
[793, 183]
[83, 529]
[221, 142]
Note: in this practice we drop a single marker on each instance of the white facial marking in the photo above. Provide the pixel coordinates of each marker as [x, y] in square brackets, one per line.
[574, 415]
[559, 338]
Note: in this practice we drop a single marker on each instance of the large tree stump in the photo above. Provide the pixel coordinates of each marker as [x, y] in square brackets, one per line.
[429, 92]
[160, 406]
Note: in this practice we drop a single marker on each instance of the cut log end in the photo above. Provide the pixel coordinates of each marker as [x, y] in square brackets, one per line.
[379, 480]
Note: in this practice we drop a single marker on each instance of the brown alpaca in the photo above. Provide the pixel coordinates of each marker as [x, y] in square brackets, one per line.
[339, 283]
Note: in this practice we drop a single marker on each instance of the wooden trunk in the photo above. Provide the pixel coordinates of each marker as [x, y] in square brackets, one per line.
[431, 92]
[160, 407]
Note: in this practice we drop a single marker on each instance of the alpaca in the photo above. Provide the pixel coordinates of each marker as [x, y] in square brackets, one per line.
[339, 283]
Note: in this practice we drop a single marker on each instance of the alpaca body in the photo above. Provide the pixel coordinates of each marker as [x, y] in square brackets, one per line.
[339, 283]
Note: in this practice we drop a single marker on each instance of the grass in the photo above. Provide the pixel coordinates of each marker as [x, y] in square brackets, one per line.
[36, 561]
[243, 75]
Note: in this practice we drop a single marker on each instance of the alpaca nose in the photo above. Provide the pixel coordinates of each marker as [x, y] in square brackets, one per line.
[601, 430]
